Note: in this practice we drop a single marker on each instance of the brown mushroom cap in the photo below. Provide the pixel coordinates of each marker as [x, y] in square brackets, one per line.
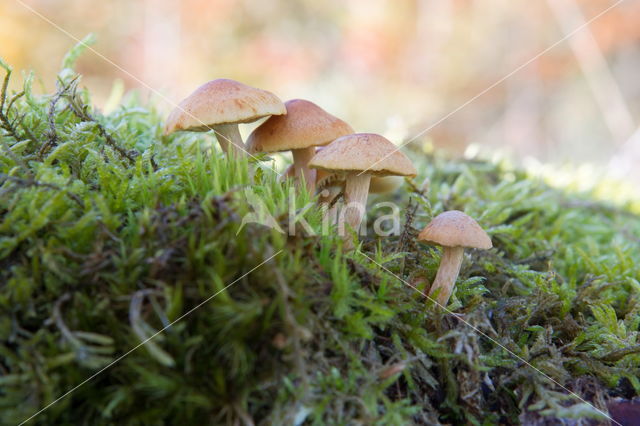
[305, 125]
[363, 151]
[455, 229]
[222, 101]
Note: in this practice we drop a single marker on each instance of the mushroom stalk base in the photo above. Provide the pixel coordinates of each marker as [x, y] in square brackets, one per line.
[447, 274]
[301, 158]
[230, 140]
[355, 199]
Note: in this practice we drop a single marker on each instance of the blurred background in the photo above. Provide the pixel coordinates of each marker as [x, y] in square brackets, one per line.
[396, 67]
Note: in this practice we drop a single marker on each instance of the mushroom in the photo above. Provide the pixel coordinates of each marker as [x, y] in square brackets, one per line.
[334, 183]
[358, 157]
[454, 231]
[305, 126]
[221, 105]
[329, 185]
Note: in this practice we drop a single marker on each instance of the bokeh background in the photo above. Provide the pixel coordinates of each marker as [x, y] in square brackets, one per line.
[395, 67]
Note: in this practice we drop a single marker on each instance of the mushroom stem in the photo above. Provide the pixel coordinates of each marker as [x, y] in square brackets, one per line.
[447, 274]
[301, 158]
[229, 138]
[355, 198]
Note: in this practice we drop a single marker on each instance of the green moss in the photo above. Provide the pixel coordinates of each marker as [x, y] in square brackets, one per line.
[110, 231]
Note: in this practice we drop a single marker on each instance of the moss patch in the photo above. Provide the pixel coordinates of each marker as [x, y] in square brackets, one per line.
[110, 231]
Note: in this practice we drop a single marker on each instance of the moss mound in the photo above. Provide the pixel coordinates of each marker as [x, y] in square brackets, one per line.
[111, 232]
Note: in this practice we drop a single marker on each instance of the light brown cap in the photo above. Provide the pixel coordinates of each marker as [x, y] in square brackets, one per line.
[363, 151]
[304, 126]
[455, 229]
[222, 101]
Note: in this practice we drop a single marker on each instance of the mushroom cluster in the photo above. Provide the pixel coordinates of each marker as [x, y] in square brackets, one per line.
[328, 155]
[329, 158]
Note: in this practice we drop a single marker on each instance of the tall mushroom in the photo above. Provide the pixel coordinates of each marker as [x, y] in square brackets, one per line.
[358, 157]
[220, 105]
[304, 127]
[454, 231]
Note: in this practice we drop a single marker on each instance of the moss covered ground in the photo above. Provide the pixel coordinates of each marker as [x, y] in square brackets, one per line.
[110, 231]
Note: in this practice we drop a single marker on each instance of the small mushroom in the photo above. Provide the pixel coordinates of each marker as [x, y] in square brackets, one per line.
[358, 157]
[454, 231]
[304, 127]
[220, 105]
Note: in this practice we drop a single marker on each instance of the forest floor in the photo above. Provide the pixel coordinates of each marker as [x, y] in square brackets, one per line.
[111, 231]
